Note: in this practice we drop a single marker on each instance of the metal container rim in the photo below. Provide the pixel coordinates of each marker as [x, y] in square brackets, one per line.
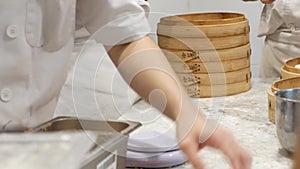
[277, 94]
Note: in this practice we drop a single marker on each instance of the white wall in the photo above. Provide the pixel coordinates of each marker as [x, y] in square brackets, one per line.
[160, 8]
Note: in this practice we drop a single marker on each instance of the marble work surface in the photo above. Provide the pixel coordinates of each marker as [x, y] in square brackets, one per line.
[246, 114]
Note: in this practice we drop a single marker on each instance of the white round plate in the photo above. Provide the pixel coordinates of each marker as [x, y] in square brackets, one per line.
[155, 160]
[153, 141]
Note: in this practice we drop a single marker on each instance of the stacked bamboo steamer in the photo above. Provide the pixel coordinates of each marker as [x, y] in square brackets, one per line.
[210, 52]
[289, 78]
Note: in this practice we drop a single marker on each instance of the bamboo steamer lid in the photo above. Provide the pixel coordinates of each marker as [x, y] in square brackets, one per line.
[278, 85]
[289, 70]
[204, 18]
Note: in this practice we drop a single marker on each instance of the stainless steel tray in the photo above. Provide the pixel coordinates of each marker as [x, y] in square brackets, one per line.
[72, 123]
[107, 139]
[111, 144]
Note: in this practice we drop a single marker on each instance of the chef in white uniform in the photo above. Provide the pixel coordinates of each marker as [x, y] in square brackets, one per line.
[280, 24]
[37, 41]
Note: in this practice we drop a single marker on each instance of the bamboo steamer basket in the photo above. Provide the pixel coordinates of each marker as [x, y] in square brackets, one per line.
[189, 43]
[202, 79]
[194, 31]
[271, 105]
[278, 85]
[208, 55]
[210, 52]
[211, 67]
[218, 90]
[187, 29]
[288, 70]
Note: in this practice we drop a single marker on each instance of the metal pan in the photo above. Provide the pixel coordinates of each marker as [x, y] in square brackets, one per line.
[72, 123]
[111, 144]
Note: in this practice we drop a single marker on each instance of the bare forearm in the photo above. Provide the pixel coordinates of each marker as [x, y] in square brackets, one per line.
[143, 65]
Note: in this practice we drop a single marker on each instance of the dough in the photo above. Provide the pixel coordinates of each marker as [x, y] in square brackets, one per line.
[297, 66]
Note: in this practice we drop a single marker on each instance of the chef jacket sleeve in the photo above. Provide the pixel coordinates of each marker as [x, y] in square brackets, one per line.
[113, 22]
[271, 18]
[279, 16]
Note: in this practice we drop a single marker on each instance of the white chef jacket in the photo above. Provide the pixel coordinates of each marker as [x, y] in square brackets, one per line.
[280, 23]
[37, 41]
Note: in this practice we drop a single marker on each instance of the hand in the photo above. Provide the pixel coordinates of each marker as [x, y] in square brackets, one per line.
[267, 1]
[221, 139]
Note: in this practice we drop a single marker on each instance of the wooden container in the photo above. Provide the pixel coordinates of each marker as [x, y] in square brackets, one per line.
[210, 52]
[288, 70]
[278, 85]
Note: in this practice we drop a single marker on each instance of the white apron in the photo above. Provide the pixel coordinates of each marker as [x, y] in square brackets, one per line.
[280, 23]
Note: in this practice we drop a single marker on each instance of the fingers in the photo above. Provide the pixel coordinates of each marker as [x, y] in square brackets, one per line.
[221, 139]
[190, 148]
[238, 156]
[267, 1]
[246, 160]
[240, 159]
[224, 140]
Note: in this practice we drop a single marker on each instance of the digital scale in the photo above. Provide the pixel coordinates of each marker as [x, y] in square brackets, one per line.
[153, 149]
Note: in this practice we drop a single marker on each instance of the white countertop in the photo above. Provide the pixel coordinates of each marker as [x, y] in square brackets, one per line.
[246, 114]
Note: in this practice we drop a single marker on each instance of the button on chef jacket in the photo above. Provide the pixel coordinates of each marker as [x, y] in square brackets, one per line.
[37, 41]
